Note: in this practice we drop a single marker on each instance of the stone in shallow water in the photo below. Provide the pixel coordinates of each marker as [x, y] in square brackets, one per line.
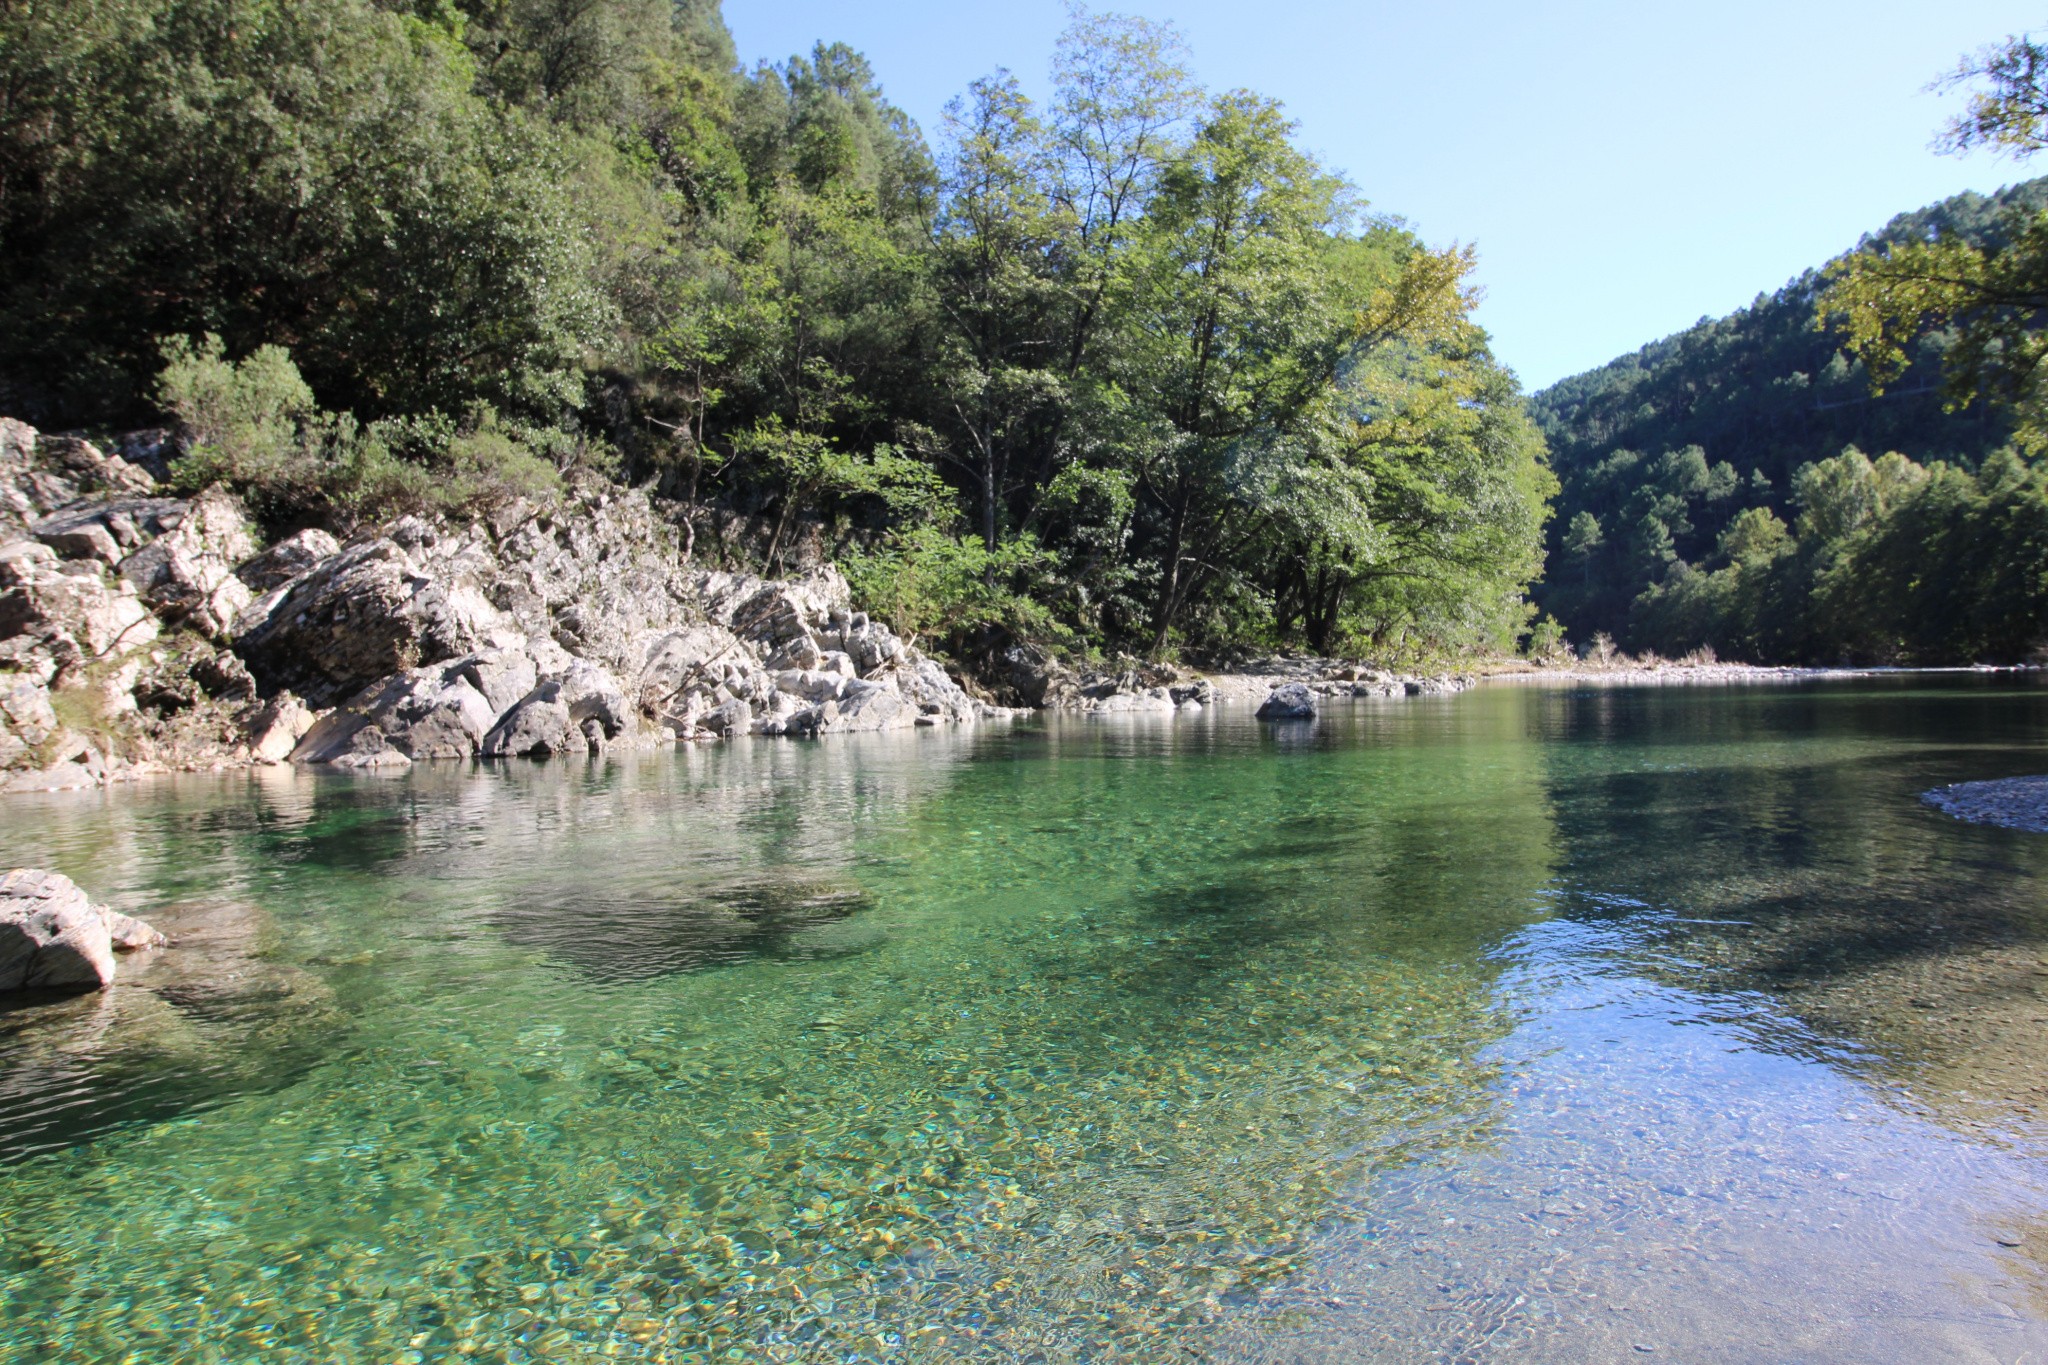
[1291, 701]
[53, 938]
[2014, 802]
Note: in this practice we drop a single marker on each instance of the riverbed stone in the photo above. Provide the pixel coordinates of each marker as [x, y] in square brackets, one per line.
[1290, 701]
[52, 937]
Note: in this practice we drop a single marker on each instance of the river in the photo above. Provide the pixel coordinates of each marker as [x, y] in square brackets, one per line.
[1537, 1023]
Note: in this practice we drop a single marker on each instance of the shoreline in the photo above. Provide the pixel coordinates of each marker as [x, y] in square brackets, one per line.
[1235, 689]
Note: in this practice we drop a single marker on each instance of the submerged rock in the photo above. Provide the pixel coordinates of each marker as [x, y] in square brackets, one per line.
[52, 937]
[1290, 701]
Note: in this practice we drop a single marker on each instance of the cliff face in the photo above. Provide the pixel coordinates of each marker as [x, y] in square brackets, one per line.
[140, 631]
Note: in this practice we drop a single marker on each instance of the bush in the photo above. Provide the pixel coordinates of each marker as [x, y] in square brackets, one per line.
[924, 582]
[241, 418]
[253, 426]
[1546, 640]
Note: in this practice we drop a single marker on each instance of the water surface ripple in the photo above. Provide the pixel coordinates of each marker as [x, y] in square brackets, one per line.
[1534, 1023]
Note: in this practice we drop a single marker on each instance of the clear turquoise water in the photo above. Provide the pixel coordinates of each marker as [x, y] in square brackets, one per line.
[1527, 1024]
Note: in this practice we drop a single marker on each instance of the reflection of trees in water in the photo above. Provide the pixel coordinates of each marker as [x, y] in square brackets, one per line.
[1792, 823]
[1138, 1022]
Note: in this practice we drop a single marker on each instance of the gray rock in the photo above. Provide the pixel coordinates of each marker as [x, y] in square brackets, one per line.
[370, 747]
[729, 718]
[592, 694]
[188, 572]
[296, 554]
[537, 726]
[27, 720]
[72, 604]
[1289, 701]
[503, 676]
[83, 540]
[421, 713]
[52, 937]
[369, 612]
[870, 706]
[277, 728]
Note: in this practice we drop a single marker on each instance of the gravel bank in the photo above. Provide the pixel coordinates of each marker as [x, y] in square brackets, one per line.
[2015, 802]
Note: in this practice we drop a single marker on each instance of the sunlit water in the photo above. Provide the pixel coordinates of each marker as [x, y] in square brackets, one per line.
[1532, 1024]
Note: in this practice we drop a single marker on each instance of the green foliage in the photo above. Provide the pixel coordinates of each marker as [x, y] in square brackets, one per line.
[1129, 371]
[1938, 558]
[252, 425]
[1663, 452]
[241, 417]
[925, 583]
[1891, 562]
[314, 174]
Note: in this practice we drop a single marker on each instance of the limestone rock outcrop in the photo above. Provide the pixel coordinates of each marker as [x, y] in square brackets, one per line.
[142, 631]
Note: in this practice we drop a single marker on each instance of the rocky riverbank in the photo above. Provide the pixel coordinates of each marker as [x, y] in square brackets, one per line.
[141, 632]
[1039, 680]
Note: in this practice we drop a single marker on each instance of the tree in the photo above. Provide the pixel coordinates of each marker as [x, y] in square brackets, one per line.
[1994, 295]
[993, 269]
[1234, 332]
[1583, 541]
[315, 175]
[1122, 96]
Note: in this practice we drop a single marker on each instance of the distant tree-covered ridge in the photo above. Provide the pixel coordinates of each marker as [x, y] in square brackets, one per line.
[1127, 369]
[1716, 491]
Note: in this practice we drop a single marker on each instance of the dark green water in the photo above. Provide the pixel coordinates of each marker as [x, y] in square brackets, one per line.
[1528, 1024]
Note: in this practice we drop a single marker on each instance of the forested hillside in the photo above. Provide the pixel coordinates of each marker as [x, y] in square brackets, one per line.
[1713, 481]
[1128, 370]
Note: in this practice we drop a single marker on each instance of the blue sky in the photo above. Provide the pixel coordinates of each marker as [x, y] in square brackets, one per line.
[1624, 169]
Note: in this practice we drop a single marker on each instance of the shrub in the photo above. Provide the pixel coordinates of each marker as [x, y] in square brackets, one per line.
[1546, 640]
[252, 425]
[241, 418]
[925, 582]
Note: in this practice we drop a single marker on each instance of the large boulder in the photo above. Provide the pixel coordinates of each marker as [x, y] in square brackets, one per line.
[420, 713]
[685, 672]
[536, 727]
[501, 676]
[1289, 701]
[53, 938]
[382, 606]
[593, 696]
[277, 727]
[869, 706]
[1035, 677]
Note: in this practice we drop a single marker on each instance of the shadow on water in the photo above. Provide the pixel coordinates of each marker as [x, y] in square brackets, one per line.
[610, 934]
[1067, 1041]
